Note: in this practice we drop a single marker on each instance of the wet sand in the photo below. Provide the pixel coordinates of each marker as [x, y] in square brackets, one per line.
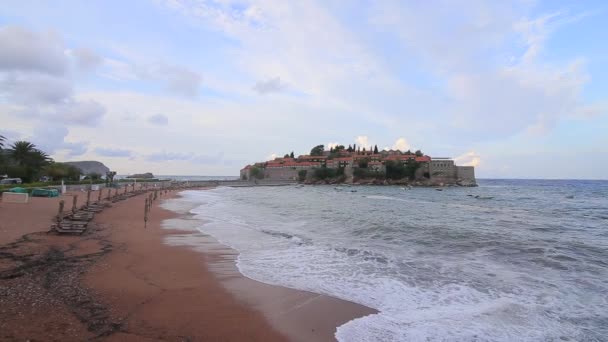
[120, 281]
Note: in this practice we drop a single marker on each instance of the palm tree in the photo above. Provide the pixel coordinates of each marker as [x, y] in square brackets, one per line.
[28, 161]
[22, 151]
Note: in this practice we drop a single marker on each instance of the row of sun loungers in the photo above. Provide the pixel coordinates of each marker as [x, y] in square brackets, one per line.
[77, 220]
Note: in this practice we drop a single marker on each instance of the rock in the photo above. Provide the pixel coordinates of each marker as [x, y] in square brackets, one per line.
[90, 166]
[147, 175]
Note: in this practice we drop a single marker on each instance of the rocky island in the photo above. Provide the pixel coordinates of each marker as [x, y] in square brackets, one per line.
[354, 165]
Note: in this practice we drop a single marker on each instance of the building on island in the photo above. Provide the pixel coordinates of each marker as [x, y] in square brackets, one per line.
[429, 170]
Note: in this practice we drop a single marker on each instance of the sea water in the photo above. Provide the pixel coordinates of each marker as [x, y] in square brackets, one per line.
[510, 260]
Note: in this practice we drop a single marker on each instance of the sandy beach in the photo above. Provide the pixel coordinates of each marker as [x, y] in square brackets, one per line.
[119, 281]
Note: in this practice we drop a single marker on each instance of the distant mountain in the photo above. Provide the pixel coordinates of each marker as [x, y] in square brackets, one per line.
[90, 166]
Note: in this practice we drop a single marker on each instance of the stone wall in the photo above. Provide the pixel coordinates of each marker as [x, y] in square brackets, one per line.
[466, 173]
[282, 173]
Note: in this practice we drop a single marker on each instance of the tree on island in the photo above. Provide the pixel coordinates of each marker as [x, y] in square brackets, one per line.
[317, 150]
[291, 155]
[418, 153]
[375, 149]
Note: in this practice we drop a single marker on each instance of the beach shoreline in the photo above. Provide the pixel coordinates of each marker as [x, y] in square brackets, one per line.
[299, 315]
[121, 281]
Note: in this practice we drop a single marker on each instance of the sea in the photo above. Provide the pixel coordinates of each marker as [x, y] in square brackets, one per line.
[510, 260]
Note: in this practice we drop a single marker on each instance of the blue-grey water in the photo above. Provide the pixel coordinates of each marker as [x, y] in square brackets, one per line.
[525, 261]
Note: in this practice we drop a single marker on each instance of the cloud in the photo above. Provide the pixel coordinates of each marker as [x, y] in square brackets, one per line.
[186, 156]
[363, 142]
[34, 78]
[180, 80]
[86, 59]
[34, 88]
[51, 138]
[113, 152]
[331, 145]
[468, 159]
[273, 85]
[401, 144]
[159, 119]
[25, 50]
[176, 79]
[86, 113]
[169, 156]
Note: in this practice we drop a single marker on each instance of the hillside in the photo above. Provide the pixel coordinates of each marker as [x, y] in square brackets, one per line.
[90, 166]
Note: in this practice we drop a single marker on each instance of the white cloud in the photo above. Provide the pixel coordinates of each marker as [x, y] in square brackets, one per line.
[331, 145]
[273, 85]
[470, 158]
[401, 144]
[25, 50]
[86, 59]
[363, 142]
[159, 119]
[114, 152]
[176, 79]
[51, 138]
[271, 156]
[34, 88]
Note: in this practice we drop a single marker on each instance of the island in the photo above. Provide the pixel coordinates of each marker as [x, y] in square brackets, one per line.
[354, 165]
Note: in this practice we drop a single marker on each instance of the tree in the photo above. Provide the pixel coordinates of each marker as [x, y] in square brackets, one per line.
[61, 171]
[291, 155]
[363, 163]
[2, 140]
[302, 175]
[375, 149]
[286, 156]
[110, 177]
[324, 173]
[29, 161]
[21, 152]
[350, 148]
[94, 176]
[256, 173]
[418, 153]
[317, 150]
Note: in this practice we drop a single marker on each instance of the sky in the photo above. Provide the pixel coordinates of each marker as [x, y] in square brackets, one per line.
[182, 87]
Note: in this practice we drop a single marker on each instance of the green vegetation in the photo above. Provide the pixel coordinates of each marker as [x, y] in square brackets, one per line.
[368, 173]
[317, 150]
[23, 160]
[302, 175]
[363, 163]
[398, 170]
[324, 173]
[59, 171]
[256, 173]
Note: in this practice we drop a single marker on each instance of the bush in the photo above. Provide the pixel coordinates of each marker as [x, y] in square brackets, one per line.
[367, 173]
[256, 173]
[302, 175]
[324, 173]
